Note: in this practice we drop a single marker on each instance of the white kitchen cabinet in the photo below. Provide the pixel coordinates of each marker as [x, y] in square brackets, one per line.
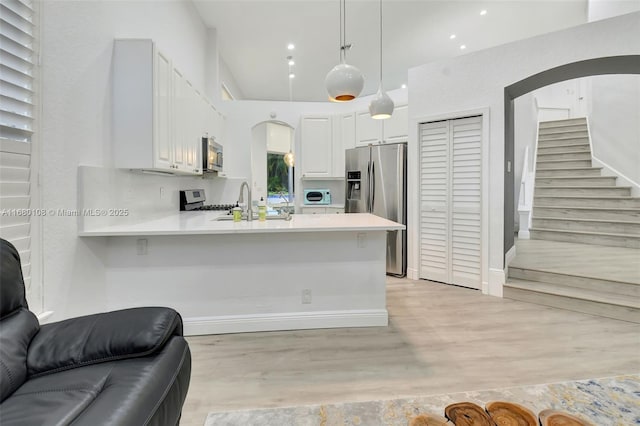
[344, 138]
[314, 210]
[392, 130]
[153, 107]
[396, 127]
[368, 130]
[334, 210]
[316, 147]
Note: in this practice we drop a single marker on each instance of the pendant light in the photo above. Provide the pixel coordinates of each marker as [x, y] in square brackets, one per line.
[381, 107]
[344, 82]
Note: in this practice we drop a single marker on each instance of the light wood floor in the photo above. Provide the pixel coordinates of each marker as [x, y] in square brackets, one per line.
[440, 339]
[609, 263]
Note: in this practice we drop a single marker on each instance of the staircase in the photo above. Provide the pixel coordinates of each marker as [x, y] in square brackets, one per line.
[572, 201]
[585, 235]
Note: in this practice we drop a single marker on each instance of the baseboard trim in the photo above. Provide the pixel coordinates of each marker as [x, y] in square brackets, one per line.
[607, 170]
[497, 278]
[412, 274]
[286, 321]
[511, 254]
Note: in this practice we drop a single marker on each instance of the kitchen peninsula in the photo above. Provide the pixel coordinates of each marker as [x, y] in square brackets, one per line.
[314, 271]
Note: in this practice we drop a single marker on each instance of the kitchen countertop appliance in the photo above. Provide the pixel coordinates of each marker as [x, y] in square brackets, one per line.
[193, 200]
[376, 182]
[317, 196]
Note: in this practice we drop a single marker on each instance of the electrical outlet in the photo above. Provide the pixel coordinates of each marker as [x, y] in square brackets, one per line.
[362, 240]
[306, 296]
[161, 192]
[141, 246]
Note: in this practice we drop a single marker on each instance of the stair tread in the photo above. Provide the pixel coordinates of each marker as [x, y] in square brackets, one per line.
[585, 187]
[606, 234]
[591, 197]
[563, 152]
[574, 292]
[572, 168]
[562, 160]
[575, 177]
[626, 209]
[515, 264]
[576, 219]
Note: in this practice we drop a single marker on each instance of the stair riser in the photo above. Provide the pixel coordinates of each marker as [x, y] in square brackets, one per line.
[590, 192]
[576, 305]
[599, 181]
[631, 229]
[567, 172]
[562, 280]
[560, 164]
[608, 203]
[564, 135]
[629, 216]
[562, 129]
[562, 123]
[560, 149]
[565, 156]
[562, 142]
[601, 240]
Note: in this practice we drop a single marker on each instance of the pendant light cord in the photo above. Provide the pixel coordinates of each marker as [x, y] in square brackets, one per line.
[341, 50]
[380, 44]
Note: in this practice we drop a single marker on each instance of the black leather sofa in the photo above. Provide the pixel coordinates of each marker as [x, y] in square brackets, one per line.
[128, 367]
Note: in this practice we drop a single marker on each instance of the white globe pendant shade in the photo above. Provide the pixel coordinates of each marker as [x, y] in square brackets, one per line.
[344, 83]
[381, 106]
[289, 160]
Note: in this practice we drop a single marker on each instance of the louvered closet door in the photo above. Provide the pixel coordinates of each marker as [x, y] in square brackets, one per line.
[434, 205]
[465, 197]
[450, 172]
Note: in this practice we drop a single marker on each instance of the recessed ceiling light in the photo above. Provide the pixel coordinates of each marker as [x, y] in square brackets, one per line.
[292, 75]
[404, 86]
[452, 36]
[463, 46]
[291, 46]
[483, 12]
[292, 62]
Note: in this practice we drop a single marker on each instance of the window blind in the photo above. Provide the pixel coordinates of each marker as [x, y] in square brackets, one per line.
[18, 44]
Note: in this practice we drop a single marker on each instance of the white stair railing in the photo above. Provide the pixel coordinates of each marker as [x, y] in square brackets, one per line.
[525, 201]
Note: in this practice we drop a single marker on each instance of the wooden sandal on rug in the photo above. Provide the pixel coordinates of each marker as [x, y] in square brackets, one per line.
[429, 420]
[510, 414]
[468, 414]
[560, 418]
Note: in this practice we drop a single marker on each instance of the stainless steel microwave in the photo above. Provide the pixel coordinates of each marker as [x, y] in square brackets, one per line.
[211, 155]
[317, 196]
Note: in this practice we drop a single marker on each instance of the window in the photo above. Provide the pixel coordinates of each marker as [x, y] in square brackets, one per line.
[19, 217]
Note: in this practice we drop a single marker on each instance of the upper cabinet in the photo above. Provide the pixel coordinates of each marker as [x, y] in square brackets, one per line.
[159, 117]
[316, 136]
[391, 130]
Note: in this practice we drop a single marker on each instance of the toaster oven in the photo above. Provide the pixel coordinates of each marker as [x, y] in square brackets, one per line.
[317, 196]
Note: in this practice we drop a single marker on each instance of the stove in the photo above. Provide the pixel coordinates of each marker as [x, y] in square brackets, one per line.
[193, 200]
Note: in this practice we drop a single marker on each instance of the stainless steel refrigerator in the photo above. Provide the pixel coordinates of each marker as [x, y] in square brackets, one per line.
[376, 179]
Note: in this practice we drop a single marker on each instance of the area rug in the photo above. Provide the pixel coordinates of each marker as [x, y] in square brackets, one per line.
[610, 401]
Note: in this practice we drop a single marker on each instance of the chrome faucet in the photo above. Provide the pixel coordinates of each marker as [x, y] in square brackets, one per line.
[286, 214]
[241, 200]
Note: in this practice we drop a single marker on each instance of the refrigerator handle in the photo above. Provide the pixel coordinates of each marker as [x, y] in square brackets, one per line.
[369, 188]
[373, 185]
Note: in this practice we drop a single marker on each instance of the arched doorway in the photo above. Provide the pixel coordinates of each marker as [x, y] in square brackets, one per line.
[627, 64]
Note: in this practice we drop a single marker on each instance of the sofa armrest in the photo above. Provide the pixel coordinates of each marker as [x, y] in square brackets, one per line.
[93, 339]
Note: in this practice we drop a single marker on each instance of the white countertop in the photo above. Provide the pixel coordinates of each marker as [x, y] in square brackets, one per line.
[202, 223]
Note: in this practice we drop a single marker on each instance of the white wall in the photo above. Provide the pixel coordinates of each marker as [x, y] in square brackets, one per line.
[525, 121]
[603, 9]
[477, 80]
[227, 78]
[614, 111]
[77, 41]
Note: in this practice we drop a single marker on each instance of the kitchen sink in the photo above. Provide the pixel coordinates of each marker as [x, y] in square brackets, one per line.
[255, 217]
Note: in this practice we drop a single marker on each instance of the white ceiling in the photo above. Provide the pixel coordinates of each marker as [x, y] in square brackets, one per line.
[253, 37]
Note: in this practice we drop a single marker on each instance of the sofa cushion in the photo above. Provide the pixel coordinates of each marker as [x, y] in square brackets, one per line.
[101, 337]
[147, 390]
[16, 331]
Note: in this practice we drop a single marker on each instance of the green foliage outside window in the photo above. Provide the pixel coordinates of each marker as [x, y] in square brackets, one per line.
[277, 174]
